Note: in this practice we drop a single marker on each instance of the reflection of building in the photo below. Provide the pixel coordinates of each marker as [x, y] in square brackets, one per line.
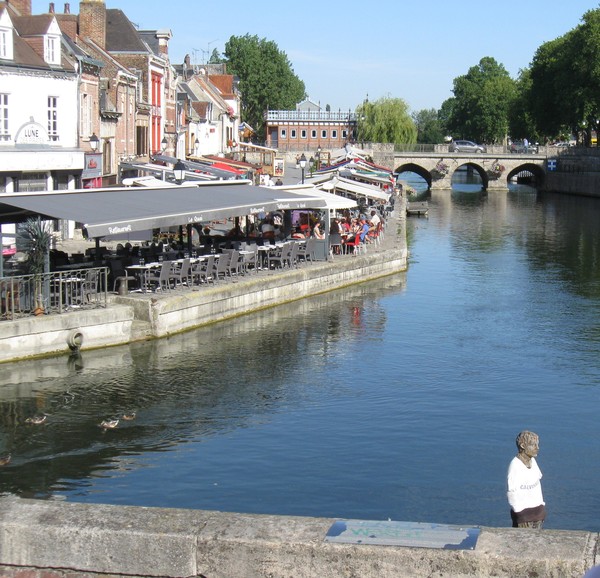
[309, 127]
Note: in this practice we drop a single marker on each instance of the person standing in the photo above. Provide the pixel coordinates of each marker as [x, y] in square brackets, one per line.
[525, 145]
[527, 506]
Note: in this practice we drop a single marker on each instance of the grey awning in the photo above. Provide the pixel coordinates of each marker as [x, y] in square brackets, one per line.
[123, 210]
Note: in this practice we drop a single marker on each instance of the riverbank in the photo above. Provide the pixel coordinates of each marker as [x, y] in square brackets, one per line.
[141, 316]
[54, 540]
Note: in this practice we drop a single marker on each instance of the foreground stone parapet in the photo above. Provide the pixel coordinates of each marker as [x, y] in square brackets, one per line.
[43, 538]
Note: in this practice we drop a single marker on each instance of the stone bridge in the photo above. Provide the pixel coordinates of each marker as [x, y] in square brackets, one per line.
[437, 168]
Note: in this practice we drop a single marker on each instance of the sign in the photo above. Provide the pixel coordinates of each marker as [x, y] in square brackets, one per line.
[408, 534]
[93, 166]
[278, 167]
[551, 164]
[31, 133]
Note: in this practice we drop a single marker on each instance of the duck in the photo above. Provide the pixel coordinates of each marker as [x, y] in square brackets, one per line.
[36, 419]
[129, 416]
[5, 459]
[109, 423]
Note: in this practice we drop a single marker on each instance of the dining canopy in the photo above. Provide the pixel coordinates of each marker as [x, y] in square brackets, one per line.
[350, 187]
[333, 202]
[123, 210]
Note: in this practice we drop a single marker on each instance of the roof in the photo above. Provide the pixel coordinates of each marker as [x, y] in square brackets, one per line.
[121, 36]
[124, 210]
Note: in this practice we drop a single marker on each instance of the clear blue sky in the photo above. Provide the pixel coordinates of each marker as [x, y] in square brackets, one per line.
[344, 51]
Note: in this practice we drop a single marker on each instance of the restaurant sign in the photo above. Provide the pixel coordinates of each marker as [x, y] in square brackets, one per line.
[31, 133]
[408, 534]
[93, 166]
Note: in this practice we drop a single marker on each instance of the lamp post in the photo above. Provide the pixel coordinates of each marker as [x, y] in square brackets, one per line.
[302, 165]
[179, 172]
[319, 157]
[196, 145]
[164, 143]
[311, 165]
[94, 142]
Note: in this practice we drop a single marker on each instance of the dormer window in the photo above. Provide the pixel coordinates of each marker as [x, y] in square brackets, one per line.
[6, 37]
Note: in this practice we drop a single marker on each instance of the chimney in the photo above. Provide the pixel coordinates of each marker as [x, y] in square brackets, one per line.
[163, 36]
[51, 8]
[92, 21]
[21, 7]
[67, 8]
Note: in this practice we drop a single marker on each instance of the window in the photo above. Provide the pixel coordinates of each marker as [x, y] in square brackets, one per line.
[303, 133]
[53, 118]
[52, 50]
[334, 134]
[323, 134]
[85, 116]
[3, 44]
[4, 132]
[283, 133]
[293, 133]
[313, 134]
[344, 134]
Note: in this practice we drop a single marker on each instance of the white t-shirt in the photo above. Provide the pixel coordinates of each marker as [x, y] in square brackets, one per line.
[524, 485]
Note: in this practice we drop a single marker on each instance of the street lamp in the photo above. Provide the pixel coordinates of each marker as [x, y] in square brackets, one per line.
[302, 165]
[311, 165]
[179, 171]
[319, 158]
[196, 145]
[164, 143]
[94, 142]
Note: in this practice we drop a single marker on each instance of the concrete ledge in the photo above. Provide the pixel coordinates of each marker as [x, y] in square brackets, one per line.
[75, 539]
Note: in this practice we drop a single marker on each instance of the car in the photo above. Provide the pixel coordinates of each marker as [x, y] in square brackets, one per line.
[465, 146]
[517, 146]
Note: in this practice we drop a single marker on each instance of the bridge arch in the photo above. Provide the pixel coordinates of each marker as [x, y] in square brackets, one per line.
[417, 169]
[485, 179]
[538, 173]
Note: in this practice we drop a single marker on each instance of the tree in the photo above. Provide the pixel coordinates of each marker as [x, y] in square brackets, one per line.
[481, 104]
[429, 127]
[267, 80]
[385, 120]
[216, 57]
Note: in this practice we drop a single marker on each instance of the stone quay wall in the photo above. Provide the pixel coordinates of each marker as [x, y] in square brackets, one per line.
[51, 539]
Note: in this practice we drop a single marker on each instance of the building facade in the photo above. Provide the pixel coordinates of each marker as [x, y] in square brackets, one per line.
[309, 128]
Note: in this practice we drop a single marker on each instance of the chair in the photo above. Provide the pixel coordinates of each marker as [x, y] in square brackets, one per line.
[89, 287]
[117, 274]
[307, 253]
[250, 259]
[220, 266]
[182, 275]
[335, 244]
[235, 263]
[161, 277]
[282, 256]
[202, 271]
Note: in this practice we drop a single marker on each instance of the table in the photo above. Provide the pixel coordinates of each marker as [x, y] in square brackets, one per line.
[141, 273]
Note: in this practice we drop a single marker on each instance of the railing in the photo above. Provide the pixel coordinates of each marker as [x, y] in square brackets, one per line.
[48, 293]
[312, 115]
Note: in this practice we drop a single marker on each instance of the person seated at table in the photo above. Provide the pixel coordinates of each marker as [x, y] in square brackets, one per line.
[374, 219]
[317, 233]
[335, 236]
[364, 229]
[268, 229]
[298, 234]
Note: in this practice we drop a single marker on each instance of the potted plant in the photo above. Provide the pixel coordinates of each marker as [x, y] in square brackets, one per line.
[35, 238]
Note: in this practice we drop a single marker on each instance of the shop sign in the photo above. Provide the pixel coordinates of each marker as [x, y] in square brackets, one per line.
[93, 166]
[31, 133]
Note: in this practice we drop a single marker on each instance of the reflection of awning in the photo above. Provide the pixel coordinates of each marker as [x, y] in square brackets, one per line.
[123, 210]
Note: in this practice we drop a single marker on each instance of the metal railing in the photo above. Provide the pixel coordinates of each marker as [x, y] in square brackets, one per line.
[49, 293]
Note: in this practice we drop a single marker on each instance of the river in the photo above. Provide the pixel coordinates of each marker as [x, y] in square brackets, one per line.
[396, 399]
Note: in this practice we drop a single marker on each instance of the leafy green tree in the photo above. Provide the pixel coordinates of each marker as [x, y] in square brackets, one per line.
[267, 80]
[429, 127]
[216, 57]
[521, 122]
[481, 102]
[386, 120]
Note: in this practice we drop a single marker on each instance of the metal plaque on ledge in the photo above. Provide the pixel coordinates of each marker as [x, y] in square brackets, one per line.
[409, 534]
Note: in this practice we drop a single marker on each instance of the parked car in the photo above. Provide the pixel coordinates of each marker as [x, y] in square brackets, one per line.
[518, 147]
[465, 146]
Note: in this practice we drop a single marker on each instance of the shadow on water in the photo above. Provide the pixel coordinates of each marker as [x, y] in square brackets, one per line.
[187, 387]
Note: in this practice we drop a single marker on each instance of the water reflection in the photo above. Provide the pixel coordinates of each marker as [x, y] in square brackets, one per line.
[187, 387]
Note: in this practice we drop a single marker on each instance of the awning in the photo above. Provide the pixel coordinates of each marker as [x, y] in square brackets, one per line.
[354, 188]
[196, 167]
[120, 210]
[334, 202]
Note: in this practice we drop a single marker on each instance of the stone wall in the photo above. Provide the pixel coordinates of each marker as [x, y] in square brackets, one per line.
[48, 539]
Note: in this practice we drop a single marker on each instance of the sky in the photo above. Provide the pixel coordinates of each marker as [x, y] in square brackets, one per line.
[347, 51]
